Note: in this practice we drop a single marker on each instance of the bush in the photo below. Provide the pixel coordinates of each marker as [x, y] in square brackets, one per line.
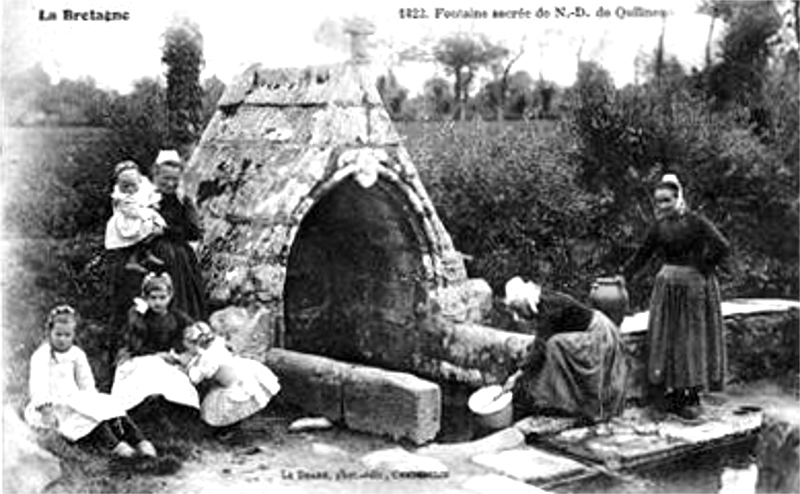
[625, 139]
[54, 219]
[507, 195]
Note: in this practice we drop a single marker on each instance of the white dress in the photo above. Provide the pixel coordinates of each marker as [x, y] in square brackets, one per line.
[65, 379]
[146, 375]
[253, 385]
[135, 216]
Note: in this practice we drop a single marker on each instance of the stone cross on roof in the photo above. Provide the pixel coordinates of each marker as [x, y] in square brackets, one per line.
[358, 29]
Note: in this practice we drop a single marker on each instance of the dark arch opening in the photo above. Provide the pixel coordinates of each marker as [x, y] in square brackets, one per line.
[355, 277]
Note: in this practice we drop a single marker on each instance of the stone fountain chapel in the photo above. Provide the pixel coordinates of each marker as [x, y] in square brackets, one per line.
[317, 223]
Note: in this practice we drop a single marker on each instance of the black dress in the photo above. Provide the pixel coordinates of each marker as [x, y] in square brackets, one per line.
[183, 226]
[686, 339]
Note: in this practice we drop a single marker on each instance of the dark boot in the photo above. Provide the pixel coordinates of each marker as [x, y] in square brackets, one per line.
[657, 402]
[690, 408]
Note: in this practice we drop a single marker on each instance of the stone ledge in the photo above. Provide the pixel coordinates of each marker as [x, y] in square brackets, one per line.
[761, 339]
[311, 382]
[366, 399]
[638, 322]
[391, 403]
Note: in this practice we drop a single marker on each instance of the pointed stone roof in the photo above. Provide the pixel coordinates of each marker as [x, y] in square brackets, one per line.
[280, 139]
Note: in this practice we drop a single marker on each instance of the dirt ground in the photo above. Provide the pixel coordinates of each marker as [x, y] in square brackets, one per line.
[263, 457]
[266, 457]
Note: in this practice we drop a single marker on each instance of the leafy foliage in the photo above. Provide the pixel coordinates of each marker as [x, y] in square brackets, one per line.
[462, 55]
[508, 197]
[736, 169]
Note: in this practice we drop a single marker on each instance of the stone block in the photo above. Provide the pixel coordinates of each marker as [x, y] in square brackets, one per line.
[778, 455]
[26, 466]
[508, 438]
[469, 301]
[532, 465]
[400, 460]
[392, 403]
[311, 382]
[250, 331]
[494, 353]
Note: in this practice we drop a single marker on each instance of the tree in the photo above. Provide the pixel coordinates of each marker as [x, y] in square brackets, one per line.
[544, 96]
[138, 121]
[744, 53]
[507, 100]
[183, 55]
[439, 99]
[715, 9]
[462, 55]
[393, 95]
[22, 94]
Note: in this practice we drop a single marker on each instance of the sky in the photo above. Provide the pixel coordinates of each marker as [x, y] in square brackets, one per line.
[238, 33]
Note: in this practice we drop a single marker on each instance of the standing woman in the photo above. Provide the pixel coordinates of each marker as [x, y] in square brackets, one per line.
[183, 226]
[686, 342]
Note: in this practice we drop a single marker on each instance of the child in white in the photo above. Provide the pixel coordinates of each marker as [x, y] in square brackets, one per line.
[135, 219]
[240, 387]
[63, 394]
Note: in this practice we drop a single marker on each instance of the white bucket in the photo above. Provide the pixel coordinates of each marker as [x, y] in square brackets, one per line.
[491, 407]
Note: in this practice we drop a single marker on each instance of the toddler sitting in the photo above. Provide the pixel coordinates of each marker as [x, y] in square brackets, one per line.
[240, 387]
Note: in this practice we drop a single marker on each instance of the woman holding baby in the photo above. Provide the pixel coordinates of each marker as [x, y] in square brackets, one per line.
[150, 230]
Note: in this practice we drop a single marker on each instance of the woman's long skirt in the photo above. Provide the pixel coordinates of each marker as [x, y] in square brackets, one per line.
[686, 339]
[584, 373]
[187, 280]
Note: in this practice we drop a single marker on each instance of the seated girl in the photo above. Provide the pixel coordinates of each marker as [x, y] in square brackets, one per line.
[145, 365]
[63, 394]
[239, 387]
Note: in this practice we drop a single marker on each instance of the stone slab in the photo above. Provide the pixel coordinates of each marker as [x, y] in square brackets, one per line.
[632, 440]
[391, 403]
[778, 454]
[541, 425]
[26, 466]
[400, 460]
[507, 438]
[367, 399]
[638, 322]
[533, 465]
[493, 483]
[310, 382]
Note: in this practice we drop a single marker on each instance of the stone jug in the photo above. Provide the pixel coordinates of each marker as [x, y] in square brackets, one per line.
[610, 296]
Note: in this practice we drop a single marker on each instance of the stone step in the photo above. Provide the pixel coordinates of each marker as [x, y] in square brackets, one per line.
[366, 399]
[492, 484]
[633, 441]
[531, 465]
